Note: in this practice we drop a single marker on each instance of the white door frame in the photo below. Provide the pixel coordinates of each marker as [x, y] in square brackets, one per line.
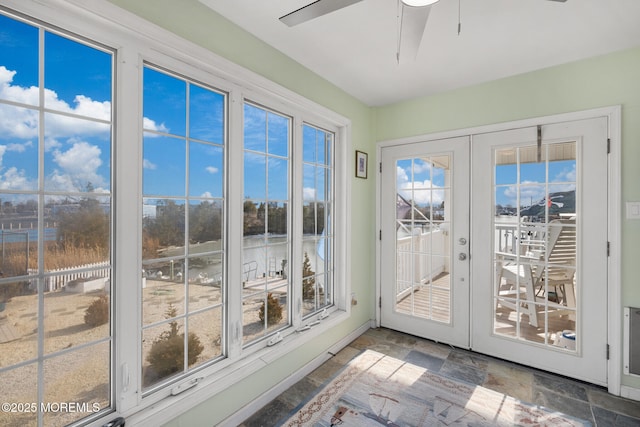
[614, 116]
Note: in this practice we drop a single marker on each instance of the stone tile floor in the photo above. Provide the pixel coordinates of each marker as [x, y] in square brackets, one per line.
[571, 397]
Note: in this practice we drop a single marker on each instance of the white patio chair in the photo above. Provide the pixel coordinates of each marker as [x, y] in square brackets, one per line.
[542, 260]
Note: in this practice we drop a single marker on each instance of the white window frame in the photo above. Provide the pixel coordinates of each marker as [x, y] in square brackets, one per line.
[136, 41]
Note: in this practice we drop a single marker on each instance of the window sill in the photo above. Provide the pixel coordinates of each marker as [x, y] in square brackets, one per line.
[169, 407]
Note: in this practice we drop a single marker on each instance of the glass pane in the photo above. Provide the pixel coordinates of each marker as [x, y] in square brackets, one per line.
[163, 228]
[277, 220]
[163, 290]
[164, 103]
[309, 142]
[533, 202]
[23, 389]
[309, 191]
[324, 141]
[439, 171]
[206, 114]
[278, 188]
[19, 234]
[78, 76]
[276, 314]
[205, 282]
[205, 336]
[536, 251]
[77, 155]
[255, 167]
[321, 181]
[81, 376]
[163, 352]
[163, 166]
[19, 155]
[205, 226]
[278, 135]
[562, 200]
[18, 300]
[206, 170]
[254, 222]
[563, 170]
[422, 245]
[255, 128]
[80, 312]
[82, 237]
[19, 63]
[506, 168]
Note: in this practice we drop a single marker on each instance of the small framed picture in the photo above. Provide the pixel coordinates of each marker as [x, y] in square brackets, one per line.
[362, 160]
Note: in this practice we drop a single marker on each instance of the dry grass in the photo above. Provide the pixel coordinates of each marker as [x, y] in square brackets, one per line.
[55, 257]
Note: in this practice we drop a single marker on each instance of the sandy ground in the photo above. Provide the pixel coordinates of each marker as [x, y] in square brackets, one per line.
[81, 375]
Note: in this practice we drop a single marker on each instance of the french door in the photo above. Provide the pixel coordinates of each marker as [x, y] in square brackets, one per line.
[509, 260]
[425, 234]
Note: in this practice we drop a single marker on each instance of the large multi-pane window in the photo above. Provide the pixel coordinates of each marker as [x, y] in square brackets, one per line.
[55, 224]
[183, 242]
[266, 238]
[221, 235]
[317, 195]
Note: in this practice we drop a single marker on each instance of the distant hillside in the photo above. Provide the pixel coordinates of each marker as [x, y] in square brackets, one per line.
[559, 203]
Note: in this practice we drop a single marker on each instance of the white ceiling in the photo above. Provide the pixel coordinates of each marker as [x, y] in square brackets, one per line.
[355, 47]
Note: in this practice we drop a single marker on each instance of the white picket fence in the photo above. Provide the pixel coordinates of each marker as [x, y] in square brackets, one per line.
[58, 278]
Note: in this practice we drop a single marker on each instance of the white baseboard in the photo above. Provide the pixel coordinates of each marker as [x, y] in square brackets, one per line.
[630, 392]
[254, 406]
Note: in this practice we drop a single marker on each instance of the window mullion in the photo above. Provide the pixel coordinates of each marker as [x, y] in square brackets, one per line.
[234, 203]
[128, 247]
[297, 183]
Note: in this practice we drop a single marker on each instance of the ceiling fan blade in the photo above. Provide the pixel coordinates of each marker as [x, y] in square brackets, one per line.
[314, 10]
[413, 21]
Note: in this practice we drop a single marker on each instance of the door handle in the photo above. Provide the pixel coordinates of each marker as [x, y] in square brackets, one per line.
[462, 256]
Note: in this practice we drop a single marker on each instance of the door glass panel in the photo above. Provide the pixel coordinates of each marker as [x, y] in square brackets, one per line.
[423, 287]
[535, 244]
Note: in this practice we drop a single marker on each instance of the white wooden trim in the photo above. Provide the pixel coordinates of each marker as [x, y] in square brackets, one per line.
[614, 285]
[171, 407]
[630, 392]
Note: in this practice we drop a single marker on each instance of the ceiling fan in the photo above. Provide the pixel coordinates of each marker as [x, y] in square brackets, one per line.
[413, 15]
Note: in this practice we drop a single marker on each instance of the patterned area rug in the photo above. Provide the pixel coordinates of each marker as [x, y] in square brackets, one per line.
[375, 389]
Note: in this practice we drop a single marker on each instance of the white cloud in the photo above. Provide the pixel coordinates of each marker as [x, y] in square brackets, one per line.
[78, 166]
[533, 192]
[405, 187]
[212, 169]
[147, 164]
[149, 124]
[309, 193]
[13, 179]
[206, 194]
[22, 123]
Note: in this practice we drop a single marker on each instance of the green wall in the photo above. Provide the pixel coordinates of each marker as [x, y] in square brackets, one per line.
[596, 82]
[602, 81]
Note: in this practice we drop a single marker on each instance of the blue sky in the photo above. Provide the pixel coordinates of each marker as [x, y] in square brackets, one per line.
[77, 143]
[531, 187]
[77, 78]
[417, 180]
